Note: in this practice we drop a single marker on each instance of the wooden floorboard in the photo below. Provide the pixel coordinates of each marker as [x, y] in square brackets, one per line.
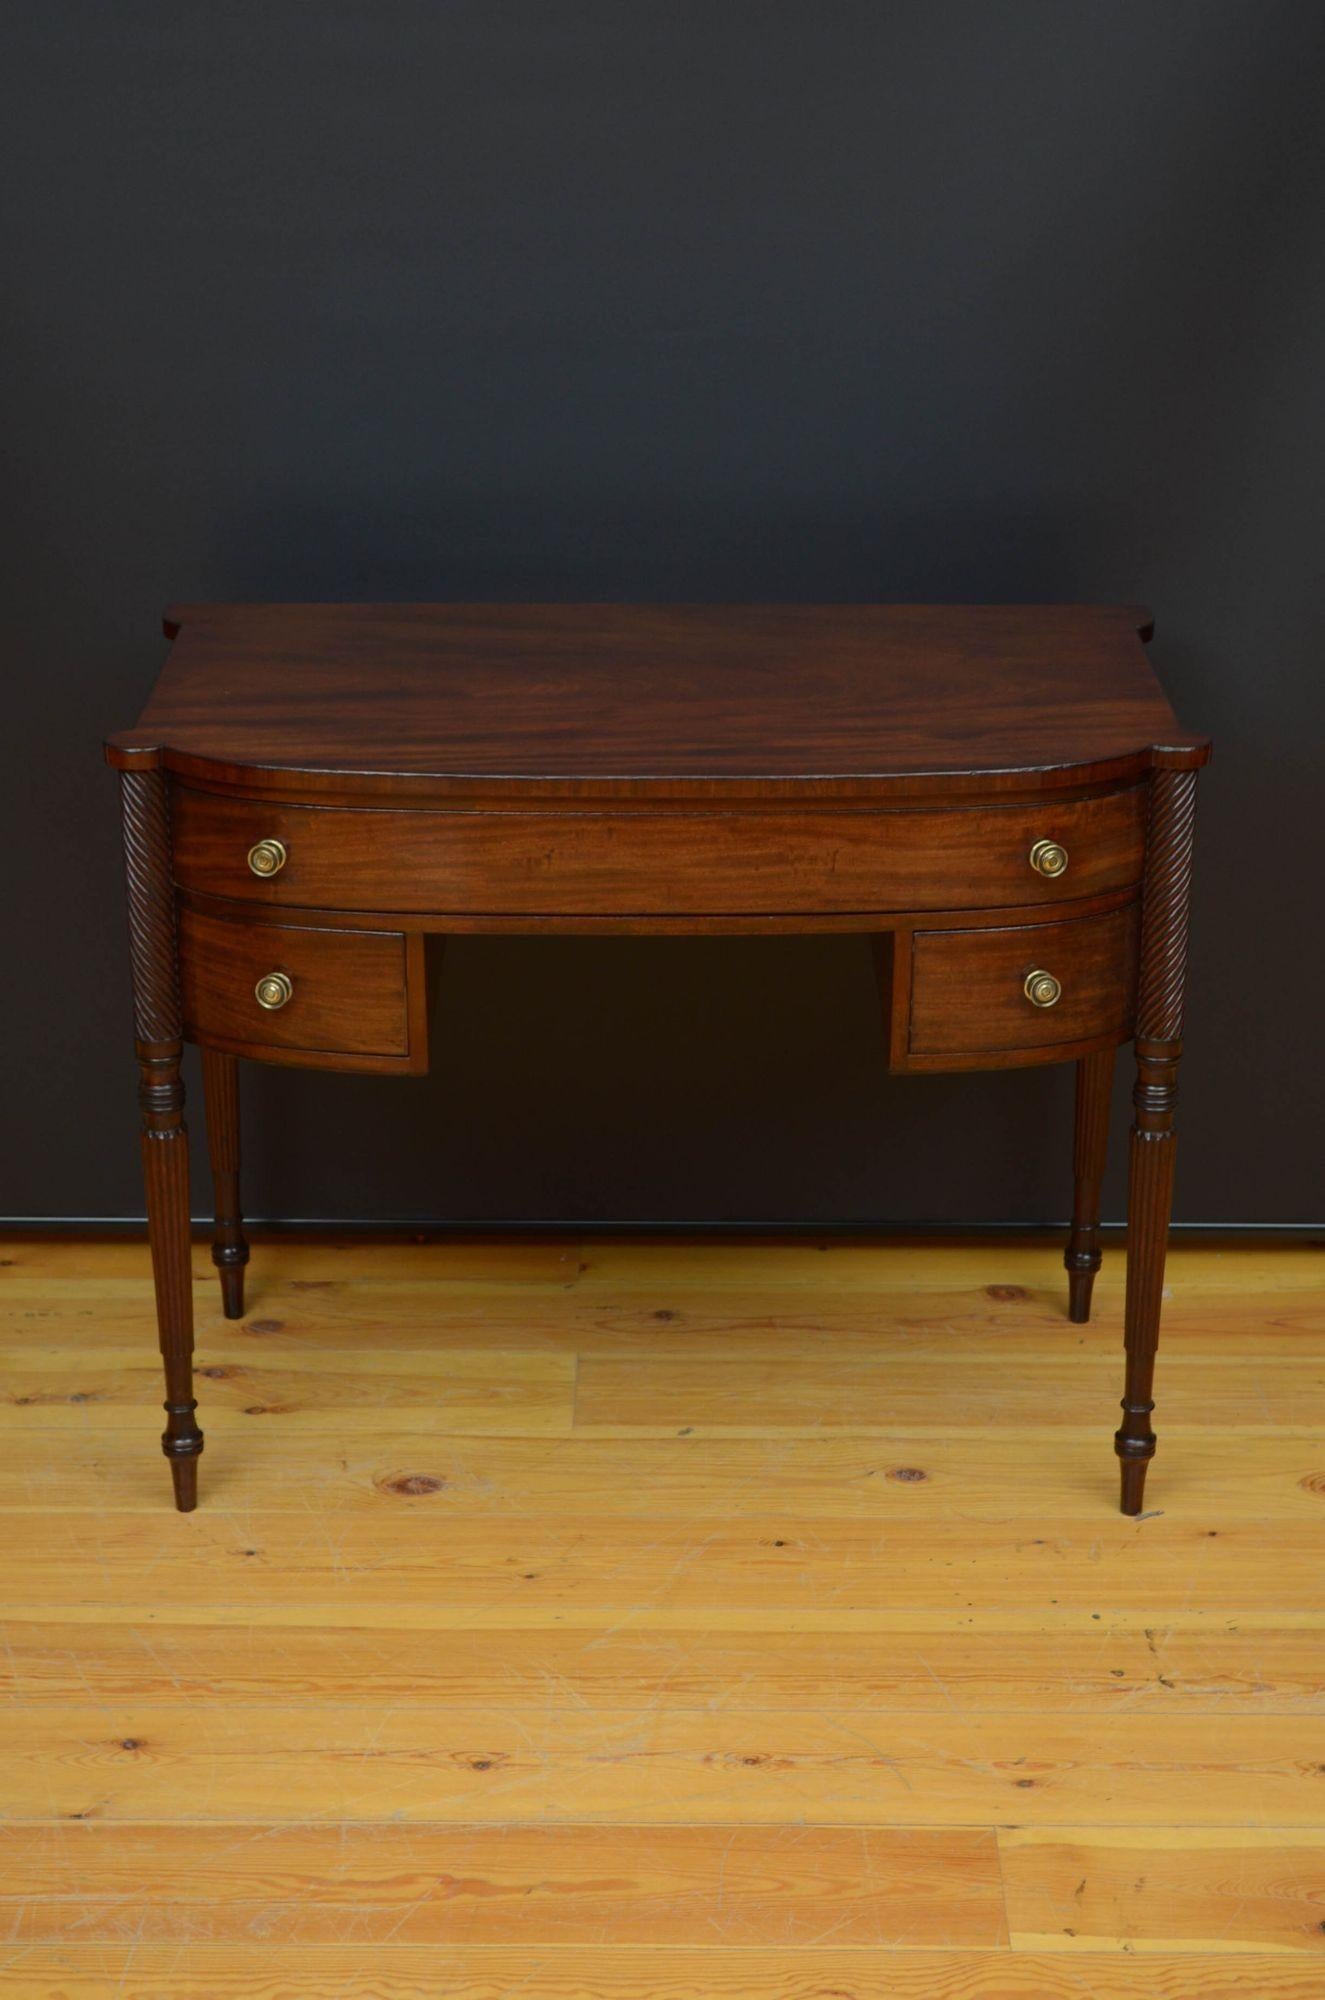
[1041, 1661]
[579, 1884]
[369, 1971]
[661, 1621]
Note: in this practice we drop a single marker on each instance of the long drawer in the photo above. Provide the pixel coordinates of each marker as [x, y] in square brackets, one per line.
[656, 862]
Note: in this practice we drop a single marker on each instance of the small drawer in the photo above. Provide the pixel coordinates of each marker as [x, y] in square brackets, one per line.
[1020, 989]
[293, 993]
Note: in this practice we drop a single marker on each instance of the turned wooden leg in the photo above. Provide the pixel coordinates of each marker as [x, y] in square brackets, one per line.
[1090, 1148]
[165, 1144]
[220, 1090]
[1149, 1202]
[1164, 917]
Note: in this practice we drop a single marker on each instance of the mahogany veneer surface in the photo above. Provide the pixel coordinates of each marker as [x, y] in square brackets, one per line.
[984, 789]
[744, 860]
[967, 986]
[348, 993]
[668, 699]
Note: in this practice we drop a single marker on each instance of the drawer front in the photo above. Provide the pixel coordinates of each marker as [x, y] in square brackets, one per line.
[969, 988]
[336, 992]
[655, 862]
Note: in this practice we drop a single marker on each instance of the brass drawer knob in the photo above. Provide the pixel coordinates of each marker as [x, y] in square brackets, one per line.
[273, 990]
[1042, 989]
[1049, 857]
[267, 857]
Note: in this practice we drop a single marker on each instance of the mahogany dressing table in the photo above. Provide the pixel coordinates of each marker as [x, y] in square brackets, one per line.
[1000, 795]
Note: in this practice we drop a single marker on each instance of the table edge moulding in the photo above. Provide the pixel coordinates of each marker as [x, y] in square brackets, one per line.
[999, 795]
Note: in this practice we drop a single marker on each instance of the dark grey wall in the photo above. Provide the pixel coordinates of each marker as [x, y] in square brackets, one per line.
[665, 298]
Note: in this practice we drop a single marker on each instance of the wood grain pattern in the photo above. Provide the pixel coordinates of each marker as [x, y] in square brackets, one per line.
[1088, 1888]
[878, 1396]
[519, 701]
[591, 1312]
[350, 988]
[683, 767]
[774, 860]
[967, 986]
[540, 1885]
[921, 1661]
[139, 1764]
[580, 1715]
[546, 1566]
[938, 1474]
[354, 1971]
[883, 1395]
[996, 1279]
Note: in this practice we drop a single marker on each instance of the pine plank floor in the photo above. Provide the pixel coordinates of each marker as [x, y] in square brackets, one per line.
[661, 1621]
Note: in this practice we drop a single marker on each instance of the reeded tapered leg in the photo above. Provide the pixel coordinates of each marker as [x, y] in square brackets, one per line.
[1164, 918]
[220, 1089]
[1149, 1203]
[1089, 1150]
[165, 1148]
[165, 1144]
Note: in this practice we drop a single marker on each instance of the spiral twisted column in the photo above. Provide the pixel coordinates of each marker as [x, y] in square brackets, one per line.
[1165, 907]
[158, 1024]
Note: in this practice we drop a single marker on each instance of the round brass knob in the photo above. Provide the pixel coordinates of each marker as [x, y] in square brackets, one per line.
[273, 990]
[1048, 857]
[267, 857]
[1042, 989]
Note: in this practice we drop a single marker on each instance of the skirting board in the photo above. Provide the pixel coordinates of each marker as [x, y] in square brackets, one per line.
[1300, 1234]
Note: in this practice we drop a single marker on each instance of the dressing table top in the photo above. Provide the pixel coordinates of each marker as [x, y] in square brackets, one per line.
[536, 701]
